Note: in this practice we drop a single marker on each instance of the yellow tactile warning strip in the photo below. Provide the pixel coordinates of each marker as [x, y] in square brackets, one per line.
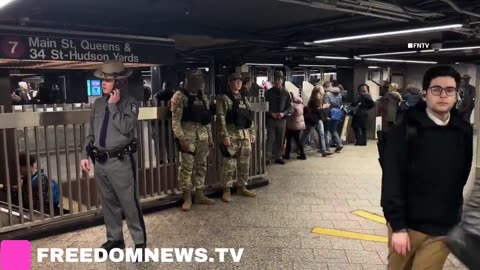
[370, 216]
[350, 235]
[354, 235]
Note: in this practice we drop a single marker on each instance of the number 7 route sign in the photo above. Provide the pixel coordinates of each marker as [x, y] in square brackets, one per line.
[12, 47]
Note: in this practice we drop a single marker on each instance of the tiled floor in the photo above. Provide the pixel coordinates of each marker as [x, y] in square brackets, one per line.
[274, 228]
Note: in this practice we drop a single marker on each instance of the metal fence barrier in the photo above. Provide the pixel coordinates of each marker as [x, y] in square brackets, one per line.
[55, 135]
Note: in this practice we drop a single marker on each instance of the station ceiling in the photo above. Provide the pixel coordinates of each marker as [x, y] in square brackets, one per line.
[266, 30]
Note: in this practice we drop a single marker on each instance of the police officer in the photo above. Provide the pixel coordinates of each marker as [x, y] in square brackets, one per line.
[191, 119]
[111, 145]
[237, 133]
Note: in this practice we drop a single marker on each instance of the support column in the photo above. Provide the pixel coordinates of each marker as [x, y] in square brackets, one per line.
[6, 102]
[476, 117]
[156, 78]
[288, 74]
[211, 74]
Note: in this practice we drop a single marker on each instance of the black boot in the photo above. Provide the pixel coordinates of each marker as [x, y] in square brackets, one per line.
[279, 161]
[302, 156]
[109, 245]
[141, 247]
[465, 246]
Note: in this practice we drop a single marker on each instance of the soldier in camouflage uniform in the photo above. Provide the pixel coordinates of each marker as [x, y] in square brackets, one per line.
[237, 132]
[191, 125]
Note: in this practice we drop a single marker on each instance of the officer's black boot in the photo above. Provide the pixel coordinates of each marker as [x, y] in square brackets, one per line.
[109, 245]
[141, 247]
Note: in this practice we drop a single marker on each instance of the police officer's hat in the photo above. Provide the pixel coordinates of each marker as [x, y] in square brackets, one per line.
[112, 70]
[466, 77]
[234, 77]
[278, 75]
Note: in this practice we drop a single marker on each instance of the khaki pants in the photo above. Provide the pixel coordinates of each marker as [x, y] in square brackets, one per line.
[426, 253]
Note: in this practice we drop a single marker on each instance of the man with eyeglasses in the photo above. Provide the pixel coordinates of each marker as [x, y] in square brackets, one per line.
[427, 162]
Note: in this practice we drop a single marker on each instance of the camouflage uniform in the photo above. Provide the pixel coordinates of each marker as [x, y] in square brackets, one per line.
[237, 154]
[193, 166]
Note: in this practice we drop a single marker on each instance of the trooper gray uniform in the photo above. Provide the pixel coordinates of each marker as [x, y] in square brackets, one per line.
[112, 135]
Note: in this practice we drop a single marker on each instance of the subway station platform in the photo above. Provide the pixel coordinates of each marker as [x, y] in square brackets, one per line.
[280, 228]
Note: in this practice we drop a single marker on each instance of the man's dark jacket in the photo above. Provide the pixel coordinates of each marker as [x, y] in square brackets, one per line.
[424, 175]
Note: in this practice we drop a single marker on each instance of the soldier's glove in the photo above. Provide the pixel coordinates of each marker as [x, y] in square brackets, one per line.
[210, 143]
[227, 141]
[185, 146]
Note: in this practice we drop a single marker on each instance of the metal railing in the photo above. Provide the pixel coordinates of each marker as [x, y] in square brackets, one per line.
[55, 135]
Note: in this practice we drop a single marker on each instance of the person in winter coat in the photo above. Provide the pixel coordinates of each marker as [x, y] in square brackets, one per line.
[389, 105]
[335, 100]
[464, 240]
[411, 96]
[362, 105]
[316, 116]
[295, 124]
[426, 164]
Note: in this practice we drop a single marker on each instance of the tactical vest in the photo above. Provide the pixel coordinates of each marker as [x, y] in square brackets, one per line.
[196, 113]
[241, 118]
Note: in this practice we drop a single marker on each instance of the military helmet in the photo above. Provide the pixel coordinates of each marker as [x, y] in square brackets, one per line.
[278, 74]
[112, 70]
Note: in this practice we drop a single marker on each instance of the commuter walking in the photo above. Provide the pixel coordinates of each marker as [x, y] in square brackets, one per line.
[295, 124]
[467, 95]
[111, 145]
[335, 100]
[361, 107]
[315, 119]
[426, 163]
[389, 105]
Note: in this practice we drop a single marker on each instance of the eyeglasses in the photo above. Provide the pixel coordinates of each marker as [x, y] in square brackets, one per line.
[437, 90]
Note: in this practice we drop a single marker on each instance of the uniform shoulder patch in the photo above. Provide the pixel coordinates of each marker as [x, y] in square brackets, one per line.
[176, 99]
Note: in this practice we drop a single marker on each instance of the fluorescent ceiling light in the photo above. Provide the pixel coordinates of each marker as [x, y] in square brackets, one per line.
[453, 49]
[391, 33]
[332, 66]
[4, 2]
[332, 57]
[400, 61]
[262, 64]
[388, 53]
[423, 51]
[373, 67]
[320, 74]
